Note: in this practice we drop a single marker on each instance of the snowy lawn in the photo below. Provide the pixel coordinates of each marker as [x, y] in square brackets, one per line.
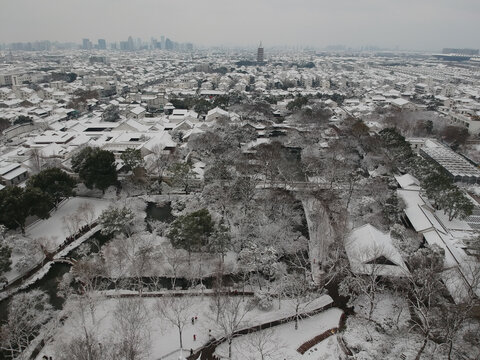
[387, 335]
[163, 338]
[390, 310]
[52, 232]
[60, 225]
[282, 342]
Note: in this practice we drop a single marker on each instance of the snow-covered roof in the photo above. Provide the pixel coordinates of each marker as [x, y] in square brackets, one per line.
[399, 102]
[369, 250]
[162, 140]
[217, 110]
[137, 110]
[408, 182]
[7, 168]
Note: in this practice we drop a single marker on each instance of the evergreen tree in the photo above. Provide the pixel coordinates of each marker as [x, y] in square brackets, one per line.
[116, 220]
[182, 174]
[191, 232]
[56, 183]
[95, 167]
[5, 262]
[16, 204]
[13, 212]
[132, 158]
[220, 241]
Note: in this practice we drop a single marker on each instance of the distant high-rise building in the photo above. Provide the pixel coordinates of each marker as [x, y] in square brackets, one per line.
[162, 40]
[260, 53]
[102, 44]
[131, 46]
[86, 44]
[169, 45]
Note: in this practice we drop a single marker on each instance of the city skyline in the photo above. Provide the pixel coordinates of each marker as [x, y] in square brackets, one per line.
[423, 25]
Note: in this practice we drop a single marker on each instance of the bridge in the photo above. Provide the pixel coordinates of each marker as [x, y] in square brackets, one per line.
[66, 260]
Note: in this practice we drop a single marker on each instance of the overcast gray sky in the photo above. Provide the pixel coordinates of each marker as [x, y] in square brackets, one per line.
[408, 24]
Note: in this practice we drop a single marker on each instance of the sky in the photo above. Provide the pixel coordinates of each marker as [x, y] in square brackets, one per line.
[407, 24]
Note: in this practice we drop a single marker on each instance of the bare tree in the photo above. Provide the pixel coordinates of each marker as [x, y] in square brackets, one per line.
[232, 312]
[131, 328]
[177, 311]
[87, 343]
[86, 212]
[144, 259]
[80, 348]
[72, 223]
[425, 290]
[134, 256]
[263, 344]
[176, 261]
[37, 159]
[27, 312]
[455, 316]
[160, 160]
[88, 273]
[218, 289]
[299, 293]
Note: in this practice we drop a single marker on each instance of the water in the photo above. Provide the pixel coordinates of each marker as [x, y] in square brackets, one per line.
[338, 300]
[49, 283]
[161, 212]
[95, 243]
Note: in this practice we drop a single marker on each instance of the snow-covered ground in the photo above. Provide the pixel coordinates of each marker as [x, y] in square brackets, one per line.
[164, 338]
[57, 227]
[282, 342]
[53, 231]
[388, 335]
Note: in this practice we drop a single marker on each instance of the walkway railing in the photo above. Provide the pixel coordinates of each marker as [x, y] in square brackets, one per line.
[207, 351]
[17, 281]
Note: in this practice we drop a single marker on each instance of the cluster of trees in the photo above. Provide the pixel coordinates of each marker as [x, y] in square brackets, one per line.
[67, 77]
[438, 185]
[197, 232]
[297, 103]
[5, 253]
[42, 193]
[200, 105]
[203, 106]
[132, 159]
[116, 220]
[22, 119]
[95, 167]
[221, 140]
[81, 97]
[454, 135]
[306, 65]
[4, 124]
[111, 114]
[27, 313]
[440, 188]
[434, 316]
[182, 174]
